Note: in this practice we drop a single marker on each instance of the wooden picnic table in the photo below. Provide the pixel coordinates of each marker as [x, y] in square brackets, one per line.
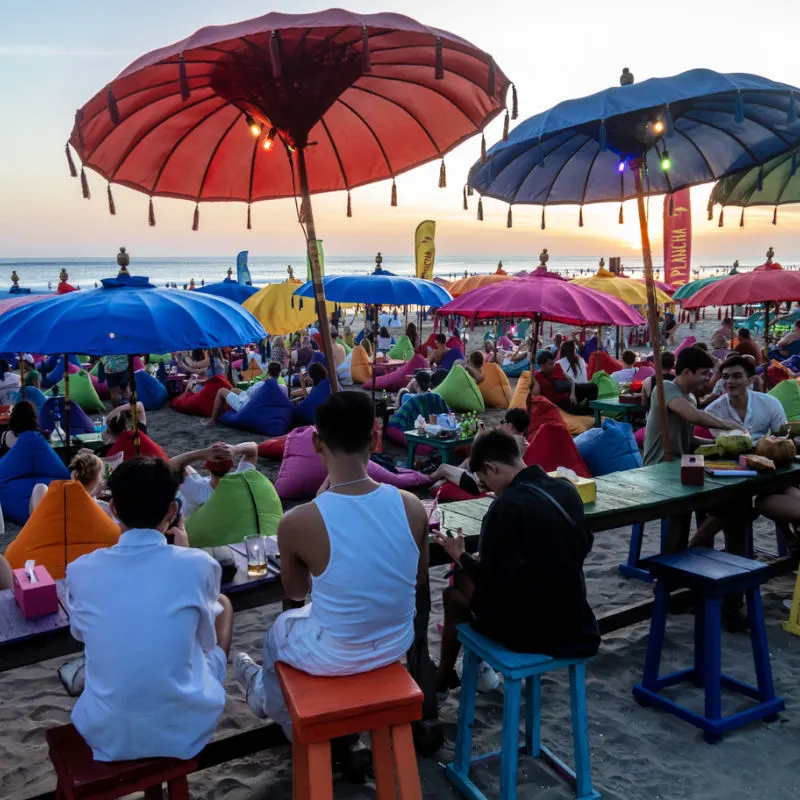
[611, 405]
[388, 365]
[92, 441]
[444, 446]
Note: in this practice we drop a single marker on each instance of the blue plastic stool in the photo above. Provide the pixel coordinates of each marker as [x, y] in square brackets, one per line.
[711, 574]
[514, 667]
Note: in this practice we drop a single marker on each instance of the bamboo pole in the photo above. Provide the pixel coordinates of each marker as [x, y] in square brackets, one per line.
[374, 351]
[134, 408]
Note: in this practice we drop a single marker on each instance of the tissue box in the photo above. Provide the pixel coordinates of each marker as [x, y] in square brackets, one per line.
[35, 599]
[693, 470]
[587, 487]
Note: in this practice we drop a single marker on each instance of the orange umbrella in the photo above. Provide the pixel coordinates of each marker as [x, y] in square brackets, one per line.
[464, 285]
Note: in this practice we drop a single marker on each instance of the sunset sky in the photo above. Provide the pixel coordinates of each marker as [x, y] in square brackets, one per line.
[55, 55]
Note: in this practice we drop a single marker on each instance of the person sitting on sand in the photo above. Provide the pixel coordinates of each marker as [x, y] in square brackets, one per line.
[385, 341]
[667, 371]
[474, 365]
[279, 352]
[625, 375]
[559, 387]
[24, 417]
[419, 384]
[117, 423]
[313, 377]
[747, 347]
[219, 458]
[156, 630]
[515, 422]
[439, 350]
[533, 543]
[791, 337]
[363, 586]
[303, 353]
[9, 384]
[411, 332]
[234, 399]
[489, 351]
[572, 363]
[87, 469]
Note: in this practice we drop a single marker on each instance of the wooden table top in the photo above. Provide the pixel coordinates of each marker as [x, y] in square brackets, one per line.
[613, 404]
[435, 441]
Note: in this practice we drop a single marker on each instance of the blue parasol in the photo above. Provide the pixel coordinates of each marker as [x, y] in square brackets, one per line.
[380, 289]
[229, 289]
[634, 140]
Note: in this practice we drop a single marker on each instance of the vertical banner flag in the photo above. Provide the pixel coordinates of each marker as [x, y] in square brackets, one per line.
[677, 238]
[242, 270]
[425, 248]
[321, 261]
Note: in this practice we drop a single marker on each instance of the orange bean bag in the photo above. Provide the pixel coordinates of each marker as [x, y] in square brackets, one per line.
[200, 403]
[577, 423]
[66, 512]
[520, 397]
[147, 447]
[495, 387]
[360, 368]
[273, 448]
[600, 360]
[553, 447]
[252, 371]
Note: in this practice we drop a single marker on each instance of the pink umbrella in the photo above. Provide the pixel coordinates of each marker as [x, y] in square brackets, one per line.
[17, 300]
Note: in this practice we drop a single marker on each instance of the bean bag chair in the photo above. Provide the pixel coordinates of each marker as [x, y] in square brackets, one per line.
[543, 412]
[450, 493]
[577, 423]
[402, 348]
[600, 360]
[57, 374]
[451, 356]
[100, 388]
[454, 341]
[32, 395]
[78, 421]
[793, 363]
[460, 391]
[520, 397]
[777, 374]
[150, 392]
[639, 436]
[147, 447]
[394, 381]
[268, 412]
[642, 374]
[307, 407]
[65, 514]
[243, 503]
[159, 358]
[611, 448]
[360, 368]
[318, 358]
[273, 448]
[200, 403]
[505, 343]
[343, 371]
[402, 479]
[590, 348]
[495, 387]
[689, 341]
[788, 394]
[404, 418]
[607, 387]
[515, 370]
[552, 447]
[82, 391]
[30, 461]
[428, 345]
[57, 359]
[253, 371]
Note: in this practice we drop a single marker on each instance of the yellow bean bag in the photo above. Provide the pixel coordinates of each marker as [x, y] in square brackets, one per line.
[495, 387]
[360, 368]
[66, 512]
[253, 371]
[460, 391]
[520, 397]
[576, 423]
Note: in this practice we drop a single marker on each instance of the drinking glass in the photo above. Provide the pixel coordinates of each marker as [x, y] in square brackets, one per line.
[256, 555]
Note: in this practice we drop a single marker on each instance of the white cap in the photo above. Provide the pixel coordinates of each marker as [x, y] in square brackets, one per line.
[29, 358]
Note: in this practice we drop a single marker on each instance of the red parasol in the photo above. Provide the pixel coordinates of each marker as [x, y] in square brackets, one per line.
[346, 98]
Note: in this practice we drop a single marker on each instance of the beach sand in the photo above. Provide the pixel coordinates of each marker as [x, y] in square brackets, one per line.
[637, 753]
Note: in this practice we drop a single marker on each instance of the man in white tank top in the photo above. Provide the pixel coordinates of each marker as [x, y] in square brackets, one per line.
[361, 548]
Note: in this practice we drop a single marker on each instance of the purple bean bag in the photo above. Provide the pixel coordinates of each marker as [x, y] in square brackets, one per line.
[394, 381]
[505, 343]
[79, 422]
[453, 354]
[268, 412]
[642, 374]
[318, 395]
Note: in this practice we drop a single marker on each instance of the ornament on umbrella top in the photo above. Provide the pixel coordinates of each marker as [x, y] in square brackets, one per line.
[14, 279]
[544, 257]
[123, 259]
[770, 255]
[290, 271]
[230, 274]
[626, 79]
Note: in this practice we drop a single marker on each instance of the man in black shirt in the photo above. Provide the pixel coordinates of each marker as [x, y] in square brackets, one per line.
[525, 590]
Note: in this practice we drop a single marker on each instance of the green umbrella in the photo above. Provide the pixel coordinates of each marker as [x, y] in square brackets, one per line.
[773, 184]
[688, 289]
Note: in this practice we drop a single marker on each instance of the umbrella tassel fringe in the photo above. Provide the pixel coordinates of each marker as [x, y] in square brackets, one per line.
[710, 210]
[671, 206]
[85, 185]
[112, 208]
[113, 108]
[741, 219]
[544, 225]
[151, 215]
[72, 171]
[483, 148]
[439, 62]
[580, 217]
[366, 62]
[275, 54]
[775, 216]
[349, 206]
[196, 220]
[621, 215]
[394, 194]
[514, 103]
[509, 221]
[442, 176]
[249, 220]
[721, 223]
[480, 209]
[505, 126]
[464, 197]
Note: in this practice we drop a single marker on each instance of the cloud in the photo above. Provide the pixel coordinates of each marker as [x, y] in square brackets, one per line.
[49, 51]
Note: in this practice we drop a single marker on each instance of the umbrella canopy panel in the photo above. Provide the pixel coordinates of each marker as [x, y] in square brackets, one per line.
[629, 290]
[380, 290]
[279, 311]
[464, 285]
[693, 287]
[765, 284]
[229, 289]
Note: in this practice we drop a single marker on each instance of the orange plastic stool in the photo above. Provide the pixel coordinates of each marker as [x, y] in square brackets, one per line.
[384, 702]
[80, 777]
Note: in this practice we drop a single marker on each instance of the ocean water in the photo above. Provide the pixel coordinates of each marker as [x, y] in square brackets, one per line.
[41, 274]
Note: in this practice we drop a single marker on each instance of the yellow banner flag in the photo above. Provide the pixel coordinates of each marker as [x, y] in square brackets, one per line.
[425, 248]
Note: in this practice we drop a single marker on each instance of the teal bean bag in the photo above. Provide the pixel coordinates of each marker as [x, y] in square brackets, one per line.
[81, 391]
[516, 369]
[243, 503]
[460, 391]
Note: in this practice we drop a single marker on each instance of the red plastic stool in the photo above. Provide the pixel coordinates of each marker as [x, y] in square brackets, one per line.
[80, 777]
[384, 702]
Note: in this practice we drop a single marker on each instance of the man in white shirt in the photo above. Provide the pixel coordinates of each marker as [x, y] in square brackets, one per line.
[156, 630]
[625, 375]
[196, 489]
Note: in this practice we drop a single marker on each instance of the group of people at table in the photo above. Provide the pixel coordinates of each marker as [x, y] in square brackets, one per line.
[157, 632]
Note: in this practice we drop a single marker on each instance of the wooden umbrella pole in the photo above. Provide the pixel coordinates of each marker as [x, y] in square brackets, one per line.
[21, 376]
[134, 408]
[766, 327]
[66, 404]
[316, 271]
[374, 351]
[495, 339]
[733, 331]
[652, 307]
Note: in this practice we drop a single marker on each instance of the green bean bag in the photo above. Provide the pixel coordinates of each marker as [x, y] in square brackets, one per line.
[460, 391]
[82, 391]
[243, 503]
[402, 348]
[607, 387]
[155, 358]
[788, 394]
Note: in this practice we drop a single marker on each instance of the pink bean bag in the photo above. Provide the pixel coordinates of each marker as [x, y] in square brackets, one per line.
[100, 388]
[505, 343]
[643, 373]
[394, 381]
[639, 436]
[687, 342]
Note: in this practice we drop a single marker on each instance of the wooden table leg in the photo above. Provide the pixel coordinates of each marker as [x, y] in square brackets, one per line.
[383, 764]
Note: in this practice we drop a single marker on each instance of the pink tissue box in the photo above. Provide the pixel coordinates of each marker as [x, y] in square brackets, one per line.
[35, 599]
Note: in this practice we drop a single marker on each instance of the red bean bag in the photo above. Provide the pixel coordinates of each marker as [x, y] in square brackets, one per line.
[450, 493]
[553, 447]
[454, 341]
[543, 411]
[147, 447]
[600, 360]
[394, 381]
[273, 448]
[200, 403]
[427, 345]
[777, 373]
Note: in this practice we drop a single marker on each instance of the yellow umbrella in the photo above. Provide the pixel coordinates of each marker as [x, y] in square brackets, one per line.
[629, 290]
[272, 307]
[464, 285]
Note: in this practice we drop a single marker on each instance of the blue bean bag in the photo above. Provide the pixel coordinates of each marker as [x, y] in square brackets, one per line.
[78, 421]
[318, 357]
[451, 356]
[611, 448]
[33, 395]
[269, 412]
[516, 369]
[793, 362]
[318, 395]
[30, 461]
[151, 393]
[57, 360]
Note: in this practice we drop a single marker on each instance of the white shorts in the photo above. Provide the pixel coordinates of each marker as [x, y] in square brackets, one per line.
[237, 401]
